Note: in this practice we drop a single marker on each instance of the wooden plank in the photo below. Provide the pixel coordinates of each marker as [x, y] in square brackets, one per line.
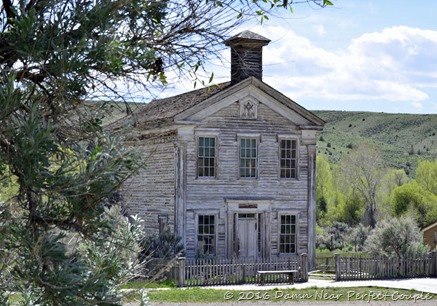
[381, 267]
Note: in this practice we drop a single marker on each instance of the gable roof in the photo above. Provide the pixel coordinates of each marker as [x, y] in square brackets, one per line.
[171, 106]
[284, 105]
[162, 111]
[172, 110]
[429, 226]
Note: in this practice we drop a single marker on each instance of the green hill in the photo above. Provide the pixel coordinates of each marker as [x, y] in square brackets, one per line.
[405, 139]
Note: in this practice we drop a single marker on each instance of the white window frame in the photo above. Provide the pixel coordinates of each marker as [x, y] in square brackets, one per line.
[296, 230]
[215, 234]
[290, 138]
[255, 137]
[198, 157]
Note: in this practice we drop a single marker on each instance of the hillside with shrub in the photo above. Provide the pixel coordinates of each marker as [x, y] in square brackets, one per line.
[374, 170]
[405, 139]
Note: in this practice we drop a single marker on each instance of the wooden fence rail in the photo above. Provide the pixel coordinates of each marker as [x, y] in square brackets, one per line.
[383, 267]
[325, 263]
[208, 272]
[236, 271]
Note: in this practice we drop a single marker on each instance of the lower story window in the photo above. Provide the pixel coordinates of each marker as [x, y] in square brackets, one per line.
[206, 235]
[287, 234]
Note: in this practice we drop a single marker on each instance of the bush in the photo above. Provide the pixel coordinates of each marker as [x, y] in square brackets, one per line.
[396, 237]
[165, 246]
[358, 236]
[332, 237]
[413, 200]
[417, 249]
[68, 269]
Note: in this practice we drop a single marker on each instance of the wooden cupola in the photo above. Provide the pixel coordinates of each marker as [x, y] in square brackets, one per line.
[246, 55]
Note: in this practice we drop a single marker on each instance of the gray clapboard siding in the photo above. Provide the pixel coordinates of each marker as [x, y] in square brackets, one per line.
[209, 194]
[245, 210]
[152, 192]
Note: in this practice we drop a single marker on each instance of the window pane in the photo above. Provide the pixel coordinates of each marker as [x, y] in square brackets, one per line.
[211, 152]
[287, 234]
[206, 235]
[248, 157]
[288, 158]
[206, 157]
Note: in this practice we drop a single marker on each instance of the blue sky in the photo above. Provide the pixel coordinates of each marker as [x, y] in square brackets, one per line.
[359, 55]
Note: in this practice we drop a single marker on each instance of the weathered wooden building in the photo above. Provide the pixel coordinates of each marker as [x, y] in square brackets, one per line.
[230, 168]
[429, 233]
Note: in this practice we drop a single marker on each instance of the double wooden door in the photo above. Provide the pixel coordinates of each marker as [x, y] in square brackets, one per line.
[247, 235]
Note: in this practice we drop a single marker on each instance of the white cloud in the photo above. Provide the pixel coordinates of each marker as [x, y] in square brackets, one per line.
[320, 29]
[417, 105]
[395, 64]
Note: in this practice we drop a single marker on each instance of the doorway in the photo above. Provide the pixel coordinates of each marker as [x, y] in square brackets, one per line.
[248, 235]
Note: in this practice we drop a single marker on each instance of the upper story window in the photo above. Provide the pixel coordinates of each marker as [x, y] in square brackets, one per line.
[288, 158]
[248, 157]
[287, 234]
[206, 166]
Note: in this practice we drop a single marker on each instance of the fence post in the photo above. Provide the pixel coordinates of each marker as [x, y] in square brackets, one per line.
[304, 267]
[386, 267]
[337, 267]
[181, 271]
[434, 263]
[244, 273]
[401, 265]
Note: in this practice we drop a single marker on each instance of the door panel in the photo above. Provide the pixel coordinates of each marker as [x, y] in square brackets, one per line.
[247, 232]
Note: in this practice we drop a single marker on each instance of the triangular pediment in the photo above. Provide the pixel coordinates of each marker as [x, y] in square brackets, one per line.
[249, 94]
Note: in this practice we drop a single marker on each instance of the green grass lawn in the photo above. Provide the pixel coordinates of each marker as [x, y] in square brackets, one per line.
[200, 295]
[138, 284]
[204, 295]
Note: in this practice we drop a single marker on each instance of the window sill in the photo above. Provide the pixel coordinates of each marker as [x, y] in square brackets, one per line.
[285, 179]
[287, 254]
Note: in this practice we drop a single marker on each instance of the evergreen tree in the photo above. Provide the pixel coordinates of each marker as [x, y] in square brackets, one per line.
[60, 242]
